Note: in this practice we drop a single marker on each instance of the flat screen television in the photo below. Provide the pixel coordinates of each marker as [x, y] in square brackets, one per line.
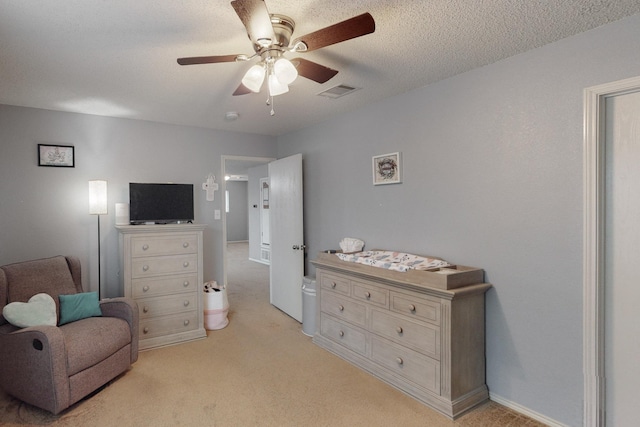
[160, 203]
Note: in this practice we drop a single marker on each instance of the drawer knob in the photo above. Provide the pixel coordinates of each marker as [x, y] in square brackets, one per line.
[145, 267]
[186, 323]
[399, 360]
[145, 288]
[186, 283]
[412, 307]
[186, 303]
[185, 264]
[341, 307]
[145, 309]
[333, 285]
[367, 294]
[145, 247]
[341, 333]
[145, 330]
[185, 245]
[399, 329]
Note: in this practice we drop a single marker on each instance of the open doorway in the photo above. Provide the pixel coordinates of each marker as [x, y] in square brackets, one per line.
[239, 169]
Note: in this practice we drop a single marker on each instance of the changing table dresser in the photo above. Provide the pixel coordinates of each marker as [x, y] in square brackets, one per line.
[421, 332]
[162, 270]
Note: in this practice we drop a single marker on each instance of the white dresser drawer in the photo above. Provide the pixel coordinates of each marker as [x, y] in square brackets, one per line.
[158, 326]
[407, 363]
[156, 286]
[420, 308]
[344, 334]
[158, 306]
[371, 294]
[343, 308]
[180, 264]
[164, 245]
[422, 337]
[335, 283]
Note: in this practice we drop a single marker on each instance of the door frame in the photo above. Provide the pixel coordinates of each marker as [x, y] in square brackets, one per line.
[223, 188]
[593, 244]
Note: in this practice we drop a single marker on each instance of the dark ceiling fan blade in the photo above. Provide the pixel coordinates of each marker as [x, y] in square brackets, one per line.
[207, 59]
[351, 28]
[242, 90]
[256, 19]
[313, 71]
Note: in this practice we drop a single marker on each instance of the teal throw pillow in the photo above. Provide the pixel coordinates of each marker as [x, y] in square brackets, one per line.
[79, 306]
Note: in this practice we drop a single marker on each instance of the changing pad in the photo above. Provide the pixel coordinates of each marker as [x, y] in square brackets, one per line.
[397, 261]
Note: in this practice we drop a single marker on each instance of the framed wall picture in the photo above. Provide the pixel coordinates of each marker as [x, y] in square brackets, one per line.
[387, 169]
[56, 155]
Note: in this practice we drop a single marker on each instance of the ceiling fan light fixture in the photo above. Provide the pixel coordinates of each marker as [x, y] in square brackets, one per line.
[276, 87]
[285, 71]
[254, 77]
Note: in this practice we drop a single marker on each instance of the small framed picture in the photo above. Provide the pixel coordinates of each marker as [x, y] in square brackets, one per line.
[387, 169]
[56, 155]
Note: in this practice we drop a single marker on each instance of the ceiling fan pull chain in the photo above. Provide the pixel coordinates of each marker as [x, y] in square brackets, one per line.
[270, 102]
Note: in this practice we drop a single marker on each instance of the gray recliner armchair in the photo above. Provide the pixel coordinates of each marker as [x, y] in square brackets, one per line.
[53, 367]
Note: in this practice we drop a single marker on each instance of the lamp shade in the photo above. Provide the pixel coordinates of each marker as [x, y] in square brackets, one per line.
[276, 87]
[254, 77]
[285, 71]
[98, 197]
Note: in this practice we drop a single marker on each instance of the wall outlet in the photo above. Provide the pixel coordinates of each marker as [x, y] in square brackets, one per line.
[216, 214]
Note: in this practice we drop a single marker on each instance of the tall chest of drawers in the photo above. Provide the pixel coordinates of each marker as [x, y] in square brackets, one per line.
[162, 270]
[425, 341]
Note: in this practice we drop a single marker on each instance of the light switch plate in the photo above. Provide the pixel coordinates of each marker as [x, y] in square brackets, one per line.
[216, 214]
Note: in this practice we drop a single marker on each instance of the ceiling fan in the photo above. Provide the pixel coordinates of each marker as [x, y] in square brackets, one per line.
[271, 35]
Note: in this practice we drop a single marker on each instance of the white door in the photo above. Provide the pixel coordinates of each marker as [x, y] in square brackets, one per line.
[622, 258]
[286, 232]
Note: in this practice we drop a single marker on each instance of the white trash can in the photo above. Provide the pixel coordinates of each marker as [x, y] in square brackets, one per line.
[216, 306]
[309, 306]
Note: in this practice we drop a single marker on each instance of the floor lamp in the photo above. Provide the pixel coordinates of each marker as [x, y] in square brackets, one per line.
[98, 206]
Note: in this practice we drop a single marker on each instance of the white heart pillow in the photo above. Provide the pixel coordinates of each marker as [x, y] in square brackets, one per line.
[39, 310]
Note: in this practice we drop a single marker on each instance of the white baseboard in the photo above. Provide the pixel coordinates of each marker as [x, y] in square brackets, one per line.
[525, 411]
[260, 261]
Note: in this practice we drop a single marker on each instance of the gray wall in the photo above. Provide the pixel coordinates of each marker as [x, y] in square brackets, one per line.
[492, 178]
[238, 216]
[44, 210]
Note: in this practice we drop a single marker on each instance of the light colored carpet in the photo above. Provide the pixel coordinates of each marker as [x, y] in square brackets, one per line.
[260, 370]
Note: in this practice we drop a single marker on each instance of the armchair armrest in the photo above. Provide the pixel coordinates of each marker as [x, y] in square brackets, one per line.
[33, 366]
[127, 309]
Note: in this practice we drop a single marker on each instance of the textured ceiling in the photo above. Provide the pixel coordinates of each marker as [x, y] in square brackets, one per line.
[118, 57]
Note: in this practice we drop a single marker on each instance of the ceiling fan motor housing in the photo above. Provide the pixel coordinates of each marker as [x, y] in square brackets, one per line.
[283, 27]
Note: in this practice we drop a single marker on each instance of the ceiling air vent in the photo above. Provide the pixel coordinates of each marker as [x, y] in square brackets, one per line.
[338, 91]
